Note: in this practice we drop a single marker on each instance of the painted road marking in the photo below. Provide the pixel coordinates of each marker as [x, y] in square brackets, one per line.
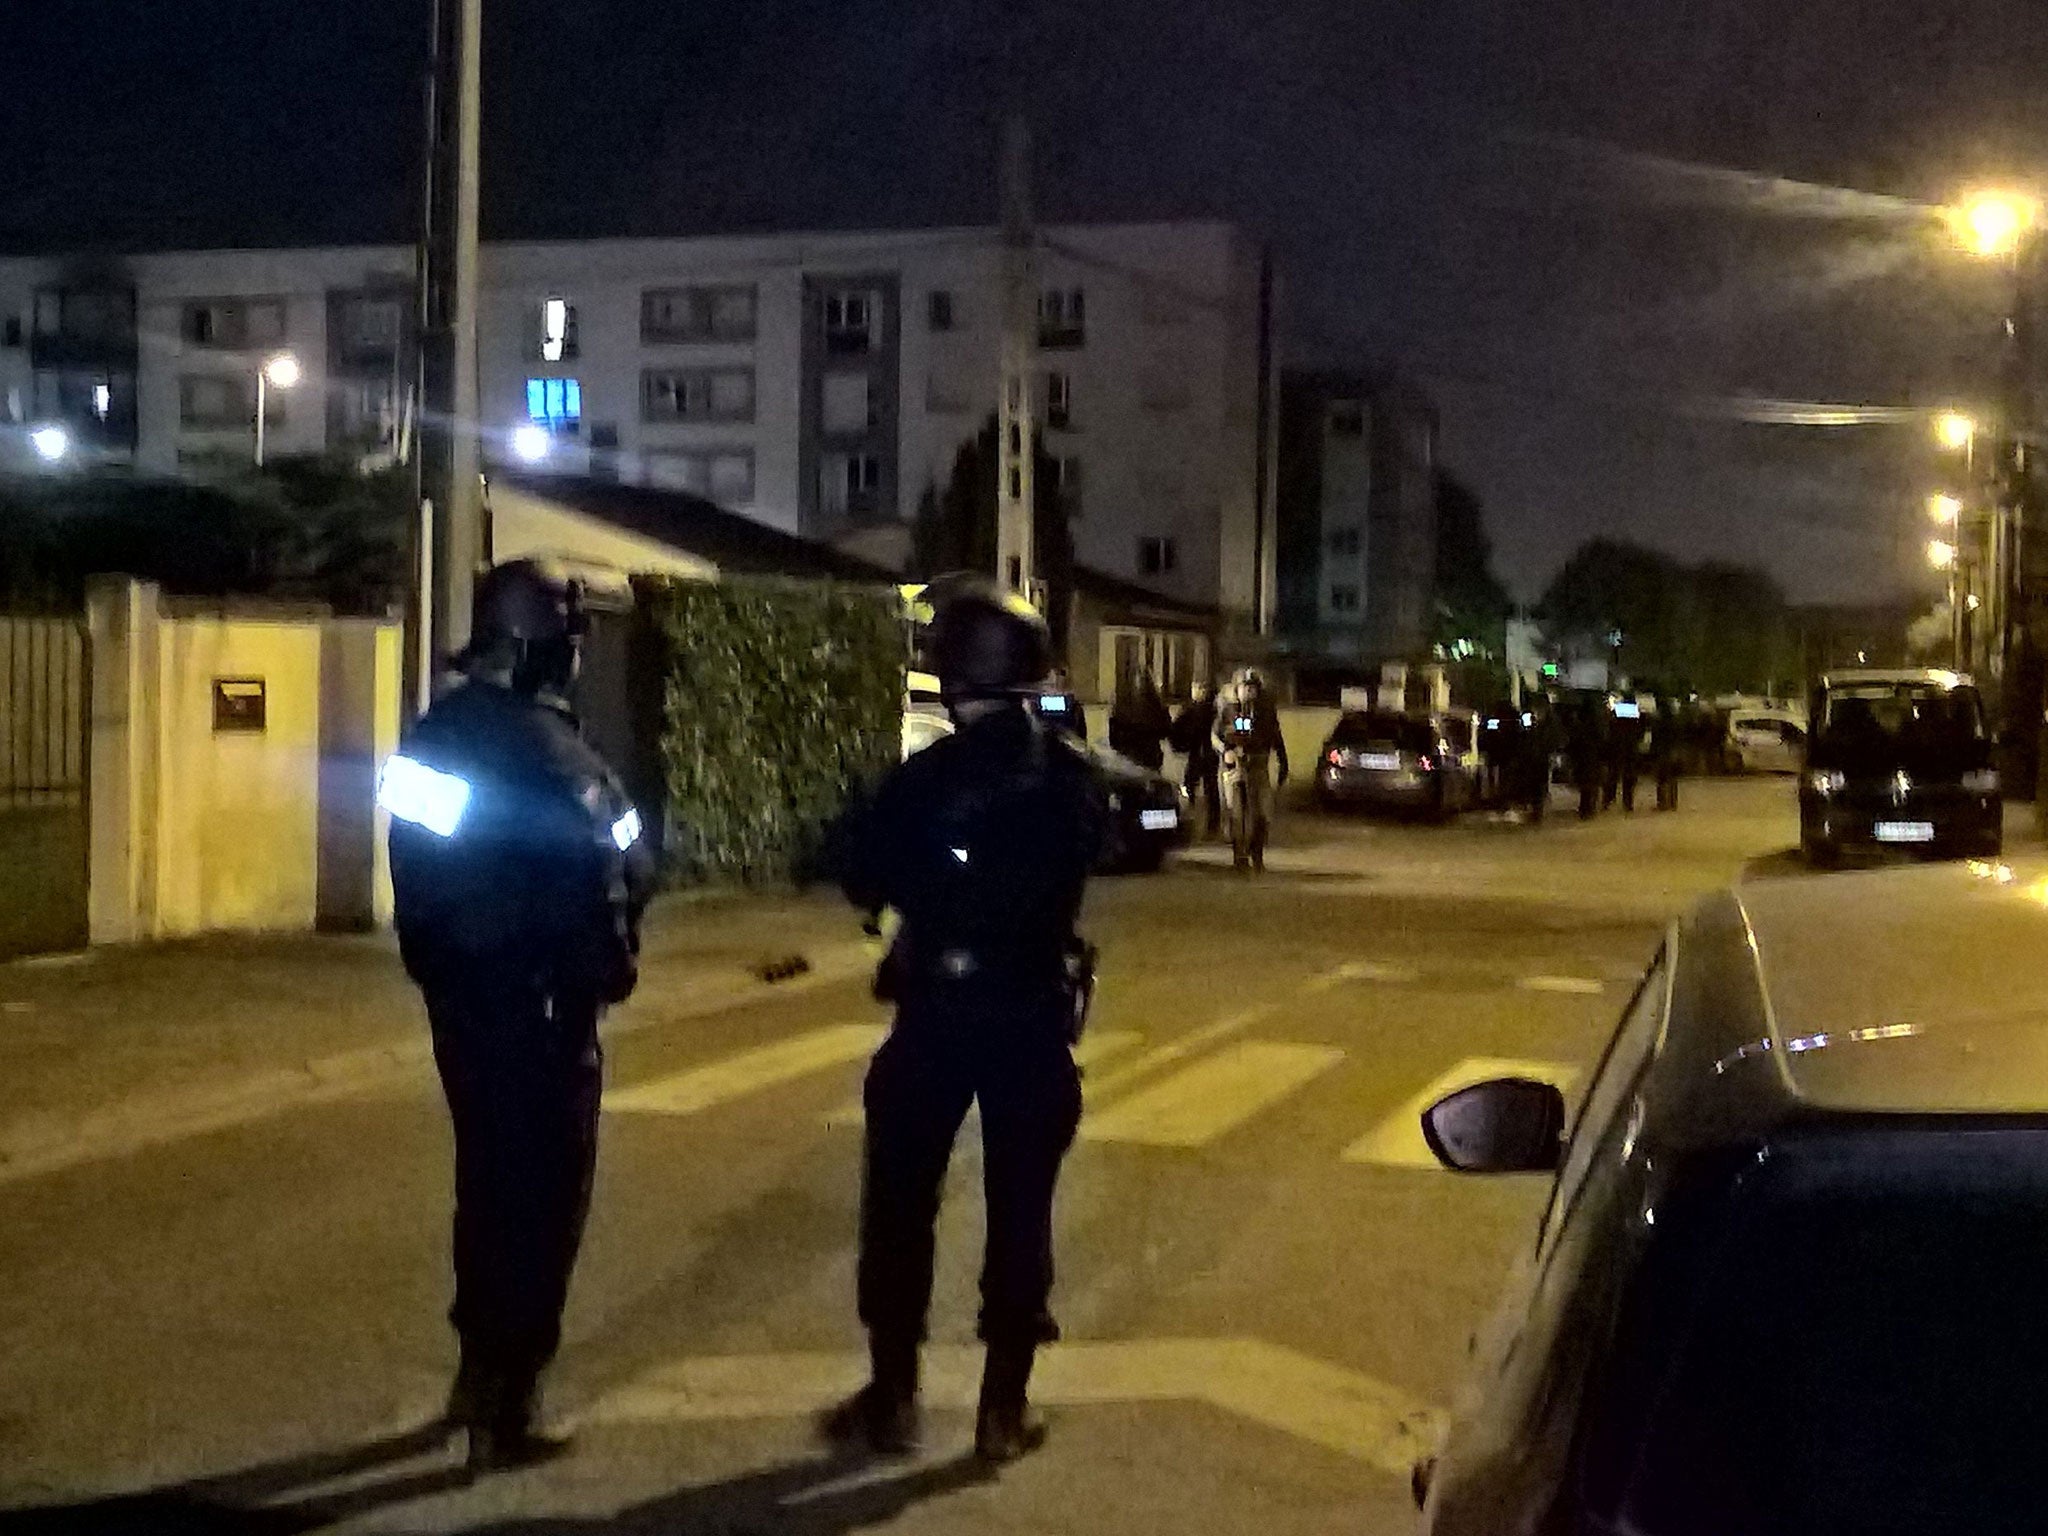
[1326, 1405]
[1396, 1142]
[1097, 1089]
[1574, 986]
[1097, 1045]
[734, 1077]
[1362, 970]
[1197, 1104]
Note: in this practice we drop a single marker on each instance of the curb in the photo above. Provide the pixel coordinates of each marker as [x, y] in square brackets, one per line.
[150, 1120]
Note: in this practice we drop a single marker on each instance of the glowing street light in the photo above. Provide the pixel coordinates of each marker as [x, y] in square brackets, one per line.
[1995, 223]
[279, 371]
[51, 443]
[1941, 554]
[530, 442]
[1954, 430]
[1944, 508]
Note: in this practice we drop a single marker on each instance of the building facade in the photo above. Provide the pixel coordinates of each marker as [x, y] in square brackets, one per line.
[818, 383]
[1356, 517]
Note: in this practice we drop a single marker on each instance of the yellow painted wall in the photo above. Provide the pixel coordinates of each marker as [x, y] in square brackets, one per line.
[237, 813]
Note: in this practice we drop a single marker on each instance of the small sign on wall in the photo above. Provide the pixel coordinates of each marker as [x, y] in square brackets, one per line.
[239, 704]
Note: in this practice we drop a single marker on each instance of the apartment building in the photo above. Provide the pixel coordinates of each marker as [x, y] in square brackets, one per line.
[1356, 517]
[817, 383]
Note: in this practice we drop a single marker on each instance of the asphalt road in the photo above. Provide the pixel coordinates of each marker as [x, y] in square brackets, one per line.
[1266, 1291]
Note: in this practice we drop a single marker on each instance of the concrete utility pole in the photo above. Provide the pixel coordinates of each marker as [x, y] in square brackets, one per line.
[449, 539]
[1016, 431]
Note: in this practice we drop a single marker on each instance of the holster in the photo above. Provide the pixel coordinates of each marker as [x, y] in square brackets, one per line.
[1078, 985]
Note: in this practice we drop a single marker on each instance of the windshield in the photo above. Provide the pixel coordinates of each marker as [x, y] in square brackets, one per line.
[1893, 724]
[1864, 1353]
[1381, 732]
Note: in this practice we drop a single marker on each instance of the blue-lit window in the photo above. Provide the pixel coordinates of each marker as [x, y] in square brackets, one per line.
[556, 404]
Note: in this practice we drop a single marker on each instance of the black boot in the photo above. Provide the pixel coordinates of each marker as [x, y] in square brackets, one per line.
[469, 1395]
[1005, 1427]
[882, 1415]
[505, 1431]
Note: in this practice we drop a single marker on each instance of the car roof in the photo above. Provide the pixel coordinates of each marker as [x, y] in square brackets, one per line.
[1856, 675]
[1894, 992]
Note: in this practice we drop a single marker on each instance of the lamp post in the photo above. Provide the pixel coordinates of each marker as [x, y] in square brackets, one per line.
[280, 371]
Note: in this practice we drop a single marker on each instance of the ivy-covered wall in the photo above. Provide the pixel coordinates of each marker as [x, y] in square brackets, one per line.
[779, 703]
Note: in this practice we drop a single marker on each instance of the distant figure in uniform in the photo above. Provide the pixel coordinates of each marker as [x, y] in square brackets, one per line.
[1586, 747]
[1193, 735]
[982, 843]
[1626, 737]
[1139, 723]
[1253, 757]
[520, 878]
[1665, 729]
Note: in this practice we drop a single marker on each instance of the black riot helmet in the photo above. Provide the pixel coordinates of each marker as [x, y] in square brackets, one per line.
[988, 644]
[527, 616]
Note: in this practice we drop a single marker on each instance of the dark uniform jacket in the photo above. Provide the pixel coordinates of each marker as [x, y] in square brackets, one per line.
[983, 843]
[543, 875]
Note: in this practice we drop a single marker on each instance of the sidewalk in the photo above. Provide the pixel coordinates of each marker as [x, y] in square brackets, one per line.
[114, 1050]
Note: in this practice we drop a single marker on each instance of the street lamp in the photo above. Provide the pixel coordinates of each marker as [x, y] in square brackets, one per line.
[51, 443]
[279, 371]
[1941, 554]
[530, 443]
[1944, 508]
[1955, 431]
[1995, 223]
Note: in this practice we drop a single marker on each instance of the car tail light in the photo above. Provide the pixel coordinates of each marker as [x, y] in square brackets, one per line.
[1425, 765]
[1336, 757]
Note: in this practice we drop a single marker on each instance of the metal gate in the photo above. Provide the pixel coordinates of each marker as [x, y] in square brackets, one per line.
[45, 726]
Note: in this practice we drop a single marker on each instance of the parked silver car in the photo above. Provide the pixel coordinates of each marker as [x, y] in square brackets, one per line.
[1794, 1268]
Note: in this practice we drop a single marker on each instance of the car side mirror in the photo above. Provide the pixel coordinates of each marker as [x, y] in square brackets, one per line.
[1505, 1125]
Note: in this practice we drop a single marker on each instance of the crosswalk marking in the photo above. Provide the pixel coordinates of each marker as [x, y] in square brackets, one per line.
[1396, 1142]
[1097, 1045]
[1199, 1103]
[767, 1066]
[1362, 970]
[1572, 986]
[1177, 1049]
[1331, 1406]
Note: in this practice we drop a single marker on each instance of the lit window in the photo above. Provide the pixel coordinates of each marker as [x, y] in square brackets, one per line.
[556, 404]
[557, 331]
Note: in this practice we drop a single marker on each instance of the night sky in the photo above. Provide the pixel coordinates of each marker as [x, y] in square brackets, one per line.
[1516, 201]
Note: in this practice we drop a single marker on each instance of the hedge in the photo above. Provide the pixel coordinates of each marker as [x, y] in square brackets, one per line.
[780, 702]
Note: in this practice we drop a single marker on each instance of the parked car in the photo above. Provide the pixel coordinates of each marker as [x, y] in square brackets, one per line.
[1396, 762]
[1148, 811]
[1789, 1279]
[1899, 760]
[1767, 741]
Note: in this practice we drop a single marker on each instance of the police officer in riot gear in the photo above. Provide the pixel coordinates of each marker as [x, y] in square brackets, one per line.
[982, 844]
[520, 877]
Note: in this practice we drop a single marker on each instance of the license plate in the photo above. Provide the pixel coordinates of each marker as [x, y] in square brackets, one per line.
[1905, 831]
[1159, 821]
[1380, 762]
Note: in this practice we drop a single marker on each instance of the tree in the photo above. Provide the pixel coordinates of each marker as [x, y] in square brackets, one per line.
[1471, 602]
[301, 528]
[1713, 627]
[955, 529]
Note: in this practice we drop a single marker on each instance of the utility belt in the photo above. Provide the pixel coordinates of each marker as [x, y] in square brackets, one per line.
[907, 969]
